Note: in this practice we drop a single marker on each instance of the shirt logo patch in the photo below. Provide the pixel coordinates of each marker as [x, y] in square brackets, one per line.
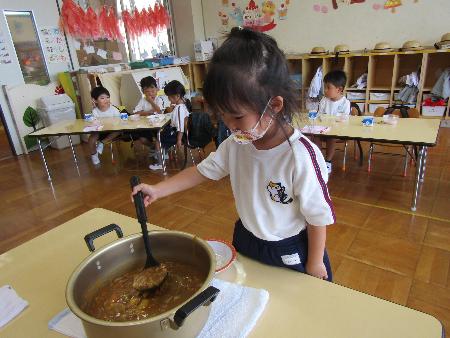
[277, 193]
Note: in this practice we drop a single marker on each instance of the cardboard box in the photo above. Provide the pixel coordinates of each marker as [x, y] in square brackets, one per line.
[437, 111]
[379, 96]
[203, 50]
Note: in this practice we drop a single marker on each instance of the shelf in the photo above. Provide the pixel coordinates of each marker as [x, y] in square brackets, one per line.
[355, 90]
[387, 89]
[379, 101]
[358, 101]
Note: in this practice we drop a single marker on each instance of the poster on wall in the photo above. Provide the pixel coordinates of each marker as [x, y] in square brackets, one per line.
[54, 45]
[5, 54]
[248, 14]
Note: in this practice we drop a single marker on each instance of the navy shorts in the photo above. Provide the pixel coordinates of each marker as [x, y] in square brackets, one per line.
[291, 252]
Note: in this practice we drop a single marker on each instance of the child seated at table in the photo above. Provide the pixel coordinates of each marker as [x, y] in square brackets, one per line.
[173, 134]
[103, 108]
[333, 103]
[150, 104]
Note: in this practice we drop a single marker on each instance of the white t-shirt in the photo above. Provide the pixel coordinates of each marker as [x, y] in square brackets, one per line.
[276, 191]
[327, 106]
[179, 113]
[110, 112]
[144, 105]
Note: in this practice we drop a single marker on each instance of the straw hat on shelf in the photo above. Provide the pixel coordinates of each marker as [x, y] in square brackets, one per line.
[341, 49]
[444, 43]
[318, 51]
[411, 45]
[382, 47]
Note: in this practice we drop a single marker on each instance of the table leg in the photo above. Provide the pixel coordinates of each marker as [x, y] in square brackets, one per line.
[424, 163]
[419, 167]
[405, 164]
[43, 159]
[361, 154]
[74, 154]
[345, 156]
[161, 152]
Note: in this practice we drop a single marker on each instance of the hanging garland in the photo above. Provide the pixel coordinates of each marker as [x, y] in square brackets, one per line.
[88, 25]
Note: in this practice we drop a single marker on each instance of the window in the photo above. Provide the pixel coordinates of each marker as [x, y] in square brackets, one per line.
[101, 51]
[28, 47]
[104, 52]
[147, 45]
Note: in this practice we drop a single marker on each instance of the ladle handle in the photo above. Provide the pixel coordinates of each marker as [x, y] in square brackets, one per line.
[138, 200]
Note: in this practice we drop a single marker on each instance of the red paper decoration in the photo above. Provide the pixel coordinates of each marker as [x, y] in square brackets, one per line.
[90, 26]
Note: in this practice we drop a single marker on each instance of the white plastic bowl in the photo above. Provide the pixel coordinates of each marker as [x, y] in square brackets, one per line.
[135, 117]
[156, 118]
[225, 253]
[390, 119]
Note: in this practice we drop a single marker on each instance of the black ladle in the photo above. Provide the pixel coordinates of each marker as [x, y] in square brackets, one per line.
[154, 273]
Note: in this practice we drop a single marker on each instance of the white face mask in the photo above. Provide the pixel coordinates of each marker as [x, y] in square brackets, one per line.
[249, 136]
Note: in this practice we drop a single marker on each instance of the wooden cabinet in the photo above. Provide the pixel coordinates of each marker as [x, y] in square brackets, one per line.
[383, 74]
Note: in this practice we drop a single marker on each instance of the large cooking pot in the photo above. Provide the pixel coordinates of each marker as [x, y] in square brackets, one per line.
[125, 254]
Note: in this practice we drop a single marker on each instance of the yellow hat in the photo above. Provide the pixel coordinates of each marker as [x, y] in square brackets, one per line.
[382, 47]
[412, 45]
[445, 38]
[342, 49]
[318, 51]
[445, 41]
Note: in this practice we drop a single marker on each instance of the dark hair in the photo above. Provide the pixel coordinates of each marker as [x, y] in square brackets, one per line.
[176, 88]
[336, 77]
[97, 91]
[248, 69]
[147, 82]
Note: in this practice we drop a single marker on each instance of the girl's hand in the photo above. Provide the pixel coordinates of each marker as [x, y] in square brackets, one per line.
[179, 144]
[151, 193]
[317, 270]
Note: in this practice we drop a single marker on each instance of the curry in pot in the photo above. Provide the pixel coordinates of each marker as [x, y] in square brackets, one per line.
[119, 301]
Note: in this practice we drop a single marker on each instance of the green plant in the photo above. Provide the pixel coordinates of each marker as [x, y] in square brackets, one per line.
[31, 117]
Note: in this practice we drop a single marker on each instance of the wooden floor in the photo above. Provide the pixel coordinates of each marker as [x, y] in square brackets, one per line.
[5, 149]
[377, 245]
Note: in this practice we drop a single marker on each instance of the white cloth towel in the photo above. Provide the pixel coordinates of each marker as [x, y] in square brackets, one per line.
[68, 324]
[233, 314]
[10, 304]
[315, 129]
[361, 82]
[316, 84]
[92, 128]
[235, 311]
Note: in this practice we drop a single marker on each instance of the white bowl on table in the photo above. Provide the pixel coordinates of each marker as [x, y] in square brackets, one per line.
[157, 118]
[135, 117]
[390, 119]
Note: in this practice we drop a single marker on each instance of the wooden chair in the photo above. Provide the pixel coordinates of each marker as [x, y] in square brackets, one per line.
[410, 152]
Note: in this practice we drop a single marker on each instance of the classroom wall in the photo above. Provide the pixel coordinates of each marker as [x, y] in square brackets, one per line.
[45, 15]
[188, 25]
[357, 25]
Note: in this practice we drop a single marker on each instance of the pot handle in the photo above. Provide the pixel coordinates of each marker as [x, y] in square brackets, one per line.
[208, 295]
[89, 238]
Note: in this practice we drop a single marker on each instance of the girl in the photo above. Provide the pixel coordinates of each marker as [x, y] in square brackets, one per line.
[173, 135]
[278, 176]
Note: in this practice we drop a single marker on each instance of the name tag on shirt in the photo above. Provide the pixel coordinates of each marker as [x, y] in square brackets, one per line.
[293, 259]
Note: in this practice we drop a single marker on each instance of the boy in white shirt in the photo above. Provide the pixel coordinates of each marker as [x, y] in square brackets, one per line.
[150, 104]
[103, 108]
[333, 103]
